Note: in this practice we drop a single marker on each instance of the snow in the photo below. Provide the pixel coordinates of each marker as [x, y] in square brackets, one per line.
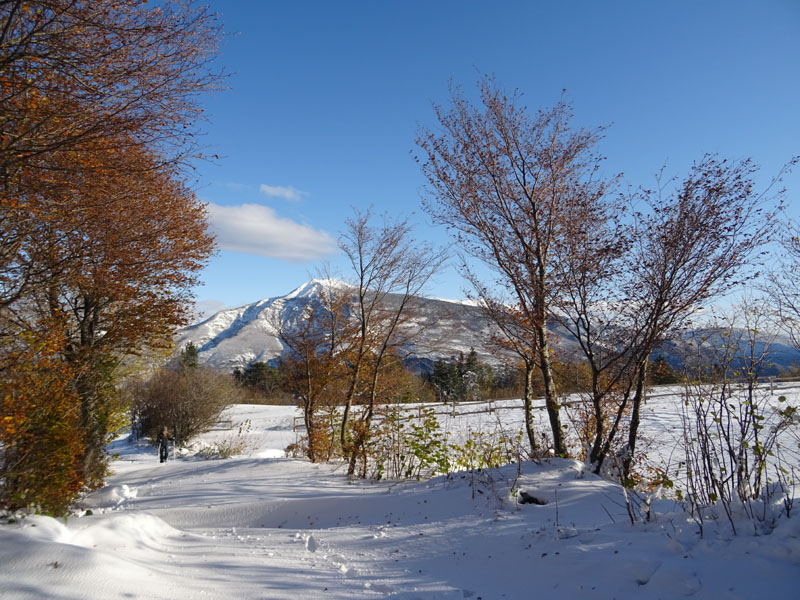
[240, 336]
[264, 526]
[315, 287]
[461, 302]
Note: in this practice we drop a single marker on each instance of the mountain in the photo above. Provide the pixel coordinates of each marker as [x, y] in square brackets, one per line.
[239, 336]
[708, 346]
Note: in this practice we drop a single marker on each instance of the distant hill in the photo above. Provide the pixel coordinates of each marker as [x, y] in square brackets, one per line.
[237, 337]
[780, 355]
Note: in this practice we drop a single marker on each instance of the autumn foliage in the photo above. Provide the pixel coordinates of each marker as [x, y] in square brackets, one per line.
[101, 234]
[41, 440]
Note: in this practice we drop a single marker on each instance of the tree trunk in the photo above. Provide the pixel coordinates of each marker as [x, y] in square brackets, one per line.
[551, 395]
[93, 464]
[308, 413]
[638, 399]
[359, 448]
[599, 427]
[351, 392]
[528, 400]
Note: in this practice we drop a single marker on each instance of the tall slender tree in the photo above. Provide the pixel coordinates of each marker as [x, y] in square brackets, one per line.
[691, 246]
[390, 270]
[508, 184]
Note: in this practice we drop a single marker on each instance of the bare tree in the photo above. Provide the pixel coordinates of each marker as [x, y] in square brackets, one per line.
[590, 274]
[687, 245]
[390, 270]
[509, 184]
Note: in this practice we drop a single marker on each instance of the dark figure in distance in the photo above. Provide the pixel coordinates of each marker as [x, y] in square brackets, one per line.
[163, 440]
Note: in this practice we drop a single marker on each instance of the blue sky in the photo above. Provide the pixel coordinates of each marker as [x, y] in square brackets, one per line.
[325, 99]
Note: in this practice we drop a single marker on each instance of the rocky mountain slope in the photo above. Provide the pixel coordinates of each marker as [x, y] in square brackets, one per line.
[237, 337]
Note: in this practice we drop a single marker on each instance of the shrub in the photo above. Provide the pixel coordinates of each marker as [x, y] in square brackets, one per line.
[236, 444]
[409, 445]
[187, 402]
[41, 440]
[404, 446]
[732, 434]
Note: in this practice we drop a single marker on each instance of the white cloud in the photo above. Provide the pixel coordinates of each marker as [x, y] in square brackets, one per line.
[279, 191]
[205, 308]
[257, 229]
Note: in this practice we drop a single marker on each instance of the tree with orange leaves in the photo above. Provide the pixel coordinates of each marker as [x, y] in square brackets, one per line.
[84, 77]
[118, 257]
[41, 441]
[101, 235]
[312, 364]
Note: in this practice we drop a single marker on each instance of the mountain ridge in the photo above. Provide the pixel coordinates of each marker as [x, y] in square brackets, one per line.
[236, 337]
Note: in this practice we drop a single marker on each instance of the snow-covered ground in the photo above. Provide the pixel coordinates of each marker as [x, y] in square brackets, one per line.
[261, 526]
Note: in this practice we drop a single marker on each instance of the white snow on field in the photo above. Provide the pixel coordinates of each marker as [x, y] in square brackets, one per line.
[260, 526]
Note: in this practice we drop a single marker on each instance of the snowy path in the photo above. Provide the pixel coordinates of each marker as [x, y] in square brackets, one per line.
[258, 527]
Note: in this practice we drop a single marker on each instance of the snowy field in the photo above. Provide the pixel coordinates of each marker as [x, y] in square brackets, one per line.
[261, 526]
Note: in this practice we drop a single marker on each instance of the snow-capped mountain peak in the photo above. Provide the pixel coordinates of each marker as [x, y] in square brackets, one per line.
[315, 287]
[236, 337]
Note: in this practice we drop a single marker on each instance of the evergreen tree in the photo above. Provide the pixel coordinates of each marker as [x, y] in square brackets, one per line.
[188, 358]
[260, 376]
[465, 378]
[443, 380]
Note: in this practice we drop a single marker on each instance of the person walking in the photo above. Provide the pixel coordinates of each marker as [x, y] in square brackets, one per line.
[163, 439]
